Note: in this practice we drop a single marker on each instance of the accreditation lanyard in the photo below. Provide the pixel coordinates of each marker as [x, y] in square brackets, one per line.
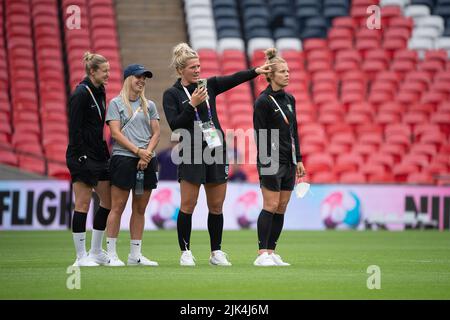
[197, 116]
[286, 120]
[92, 95]
[209, 131]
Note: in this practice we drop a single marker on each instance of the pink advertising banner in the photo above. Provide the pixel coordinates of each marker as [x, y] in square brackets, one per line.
[45, 205]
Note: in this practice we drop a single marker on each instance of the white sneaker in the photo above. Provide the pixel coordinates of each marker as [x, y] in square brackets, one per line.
[264, 260]
[85, 261]
[141, 261]
[219, 258]
[278, 261]
[114, 261]
[101, 258]
[187, 259]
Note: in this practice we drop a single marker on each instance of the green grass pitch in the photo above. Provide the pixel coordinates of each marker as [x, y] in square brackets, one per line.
[325, 265]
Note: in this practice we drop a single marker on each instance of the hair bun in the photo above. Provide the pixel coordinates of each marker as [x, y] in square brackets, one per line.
[88, 56]
[181, 48]
[270, 53]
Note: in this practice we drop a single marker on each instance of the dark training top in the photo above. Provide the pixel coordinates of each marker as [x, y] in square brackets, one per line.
[181, 115]
[85, 124]
[267, 116]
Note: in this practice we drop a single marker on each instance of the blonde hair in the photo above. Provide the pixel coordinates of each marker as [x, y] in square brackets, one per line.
[125, 95]
[272, 57]
[92, 61]
[181, 53]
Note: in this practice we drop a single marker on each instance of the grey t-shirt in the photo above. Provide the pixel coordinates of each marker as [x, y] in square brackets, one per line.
[138, 131]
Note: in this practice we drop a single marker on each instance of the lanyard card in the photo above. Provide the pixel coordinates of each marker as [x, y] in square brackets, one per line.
[211, 135]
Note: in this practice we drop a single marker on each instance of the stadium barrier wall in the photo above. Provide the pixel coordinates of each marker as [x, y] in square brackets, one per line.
[45, 205]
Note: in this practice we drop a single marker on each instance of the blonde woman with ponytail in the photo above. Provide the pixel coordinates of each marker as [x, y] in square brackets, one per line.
[274, 115]
[190, 109]
[87, 158]
[134, 124]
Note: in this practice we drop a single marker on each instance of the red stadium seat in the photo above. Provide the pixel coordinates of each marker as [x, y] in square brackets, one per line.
[344, 22]
[401, 171]
[406, 54]
[443, 120]
[339, 34]
[8, 157]
[312, 44]
[32, 163]
[339, 128]
[58, 171]
[415, 118]
[435, 139]
[439, 54]
[385, 178]
[401, 22]
[429, 150]
[436, 169]
[373, 168]
[352, 177]
[393, 44]
[319, 163]
[337, 148]
[391, 150]
[340, 44]
[420, 178]
[419, 159]
[314, 129]
[398, 129]
[324, 177]
[390, 12]
[387, 118]
[424, 128]
[371, 138]
[311, 148]
[358, 117]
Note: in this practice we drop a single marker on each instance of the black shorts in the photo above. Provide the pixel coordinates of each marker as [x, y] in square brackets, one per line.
[283, 180]
[123, 173]
[89, 171]
[203, 173]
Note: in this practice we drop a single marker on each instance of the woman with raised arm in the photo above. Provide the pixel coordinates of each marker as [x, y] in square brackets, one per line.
[190, 108]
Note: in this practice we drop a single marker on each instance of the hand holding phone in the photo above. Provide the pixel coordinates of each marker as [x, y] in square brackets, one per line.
[200, 94]
[201, 83]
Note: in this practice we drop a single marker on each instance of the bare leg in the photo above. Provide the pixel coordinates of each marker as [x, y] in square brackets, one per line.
[137, 221]
[103, 190]
[119, 201]
[83, 195]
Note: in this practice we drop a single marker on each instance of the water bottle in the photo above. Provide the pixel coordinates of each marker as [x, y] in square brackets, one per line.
[139, 187]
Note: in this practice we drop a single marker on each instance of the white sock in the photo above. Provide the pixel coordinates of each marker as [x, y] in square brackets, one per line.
[111, 246]
[79, 239]
[97, 239]
[135, 248]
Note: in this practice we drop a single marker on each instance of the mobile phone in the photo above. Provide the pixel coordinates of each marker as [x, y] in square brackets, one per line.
[201, 83]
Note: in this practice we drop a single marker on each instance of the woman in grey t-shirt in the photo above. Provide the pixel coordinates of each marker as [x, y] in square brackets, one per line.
[134, 124]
